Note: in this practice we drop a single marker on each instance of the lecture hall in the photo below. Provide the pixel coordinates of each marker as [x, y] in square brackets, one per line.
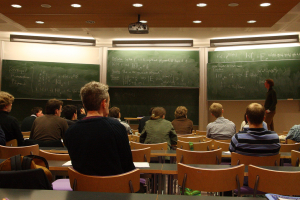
[193, 64]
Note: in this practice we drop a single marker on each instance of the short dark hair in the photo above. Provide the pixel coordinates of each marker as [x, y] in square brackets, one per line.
[69, 111]
[255, 113]
[114, 112]
[52, 105]
[270, 82]
[36, 110]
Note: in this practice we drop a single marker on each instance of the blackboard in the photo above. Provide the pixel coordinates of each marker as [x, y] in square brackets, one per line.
[153, 68]
[135, 102]
[269, 54]
[45, 80]
[245, 80]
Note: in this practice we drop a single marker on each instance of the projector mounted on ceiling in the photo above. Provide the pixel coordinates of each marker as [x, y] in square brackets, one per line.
[138, 27]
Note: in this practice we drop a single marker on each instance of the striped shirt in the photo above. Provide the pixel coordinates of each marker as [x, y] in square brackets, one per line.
[255, 142]
[220, 129]
[294, 133]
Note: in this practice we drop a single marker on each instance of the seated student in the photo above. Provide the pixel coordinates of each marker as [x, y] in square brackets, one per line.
[28, 121]
[70, 113]
[80, 112]
[115, 113]
[245, 125]
[142, 121]
[2, 137]
[9, 124]
[98, 145]
[158, 130]
[221, 128]
[50, 127]
[256, 141]
[294, 133]
[181, 123]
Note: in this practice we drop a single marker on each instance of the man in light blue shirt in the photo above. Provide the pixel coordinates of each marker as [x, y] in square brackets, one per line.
[294, 133]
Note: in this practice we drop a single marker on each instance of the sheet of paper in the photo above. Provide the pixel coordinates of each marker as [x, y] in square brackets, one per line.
[141, 164]
[226, 152]
[69, 163]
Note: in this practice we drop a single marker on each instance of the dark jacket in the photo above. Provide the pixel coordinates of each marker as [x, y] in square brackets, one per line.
[271, 100]
[142, 123]
[10, 126]
[27, 123]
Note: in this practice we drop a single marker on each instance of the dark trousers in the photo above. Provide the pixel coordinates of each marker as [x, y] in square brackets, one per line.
[269, 120]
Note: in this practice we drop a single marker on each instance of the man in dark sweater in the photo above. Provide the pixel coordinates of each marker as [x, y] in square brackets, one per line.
[98, 145]
[270, 104]
[28, 121]
[70, 113]
[142, 122]
[9, 124]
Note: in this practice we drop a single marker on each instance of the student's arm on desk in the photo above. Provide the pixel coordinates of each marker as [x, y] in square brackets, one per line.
[143, 135]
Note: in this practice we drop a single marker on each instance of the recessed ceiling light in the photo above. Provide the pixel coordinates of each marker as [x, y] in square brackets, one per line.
[143, 21]
[265, 4]
[90, 22]
[46, 6]
[201, 4]
[16, 6]
[251, 21]
[75, 5]
[39, 22]
[233, 4]
[197, 21]
[137, 5]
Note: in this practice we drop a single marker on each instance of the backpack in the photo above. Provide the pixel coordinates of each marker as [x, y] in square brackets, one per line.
[19, 162]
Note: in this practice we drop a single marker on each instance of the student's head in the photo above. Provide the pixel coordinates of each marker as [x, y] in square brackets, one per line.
[269, 83]
[158, 112]
[80, 109]
[6, 101]
[114, 112]
[54, 107]
[38, 111]
[216, 110]
[95, 97]
[70, 112]
[180, 112]
[255, 113]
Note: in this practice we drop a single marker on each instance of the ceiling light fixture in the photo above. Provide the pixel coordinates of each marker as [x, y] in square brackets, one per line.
[251, 21]
[152, 43]
[53, 40]
[46, 6]
[143, 21]
[197, 21]
[265, 4]
[75, 5]
[201, 4]
[137, 5]
[16, 6]
[233, 4]
[254, 40]
[39, 22]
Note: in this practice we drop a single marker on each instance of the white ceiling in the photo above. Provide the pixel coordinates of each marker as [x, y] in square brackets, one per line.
[289, 23]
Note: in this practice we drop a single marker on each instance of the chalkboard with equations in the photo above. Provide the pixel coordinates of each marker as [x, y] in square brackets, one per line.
[286, 53]
[245, 80]
[132, 68]
[45, 80]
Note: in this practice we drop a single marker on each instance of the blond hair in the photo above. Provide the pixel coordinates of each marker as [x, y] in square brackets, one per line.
[181, 111]
[216, 109]
[158, 112]
[5, 99]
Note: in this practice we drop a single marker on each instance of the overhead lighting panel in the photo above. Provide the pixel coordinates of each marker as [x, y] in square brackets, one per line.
[53, 40]
[254, 40]
[152, 43]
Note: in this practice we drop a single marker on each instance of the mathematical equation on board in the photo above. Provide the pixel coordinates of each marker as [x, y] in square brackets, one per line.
[131, 71]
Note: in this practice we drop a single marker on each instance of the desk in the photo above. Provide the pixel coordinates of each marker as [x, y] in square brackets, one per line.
[128, 119]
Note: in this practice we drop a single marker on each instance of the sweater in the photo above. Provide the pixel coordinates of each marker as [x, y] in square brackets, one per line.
[183, 125]
[271, 100]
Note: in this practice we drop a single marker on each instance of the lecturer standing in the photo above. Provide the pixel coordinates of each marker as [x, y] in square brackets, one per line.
[270, 104]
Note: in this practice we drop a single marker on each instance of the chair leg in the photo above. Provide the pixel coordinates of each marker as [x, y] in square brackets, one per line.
[74, 185]
[131, 187]
[183, 184]
[256, 185]
[238, 184]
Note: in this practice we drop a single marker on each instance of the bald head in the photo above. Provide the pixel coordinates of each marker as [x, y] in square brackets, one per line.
[255, 113]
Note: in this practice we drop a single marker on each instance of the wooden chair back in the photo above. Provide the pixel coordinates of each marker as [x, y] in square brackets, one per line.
[135, 138]
[186, 135]
[122, 183]
[277, 182]
[197, 146]
[158, 146]
[54, 156]
[200, 132]
[12, 143]
[289, 141]
[199, 157]
[7, 152]
[134, 131]
[26, 134]
[130, 138]
[220, 144]
[141, 155]
[295, 158]
[237, 159]
[210, 180]
[190, 139]
[289, 147]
